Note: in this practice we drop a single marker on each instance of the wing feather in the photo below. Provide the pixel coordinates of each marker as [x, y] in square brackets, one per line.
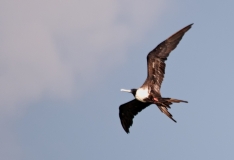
[156, 60]
[127, 112]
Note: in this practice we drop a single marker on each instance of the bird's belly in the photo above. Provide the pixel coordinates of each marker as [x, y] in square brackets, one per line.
[142, 94]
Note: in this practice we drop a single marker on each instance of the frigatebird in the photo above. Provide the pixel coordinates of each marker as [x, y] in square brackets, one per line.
[149, 92]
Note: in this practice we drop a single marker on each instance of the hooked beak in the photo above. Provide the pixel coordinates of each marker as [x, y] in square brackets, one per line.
[126, 90]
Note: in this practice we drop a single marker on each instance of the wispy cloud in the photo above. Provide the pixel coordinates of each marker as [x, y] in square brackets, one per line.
[46, 44]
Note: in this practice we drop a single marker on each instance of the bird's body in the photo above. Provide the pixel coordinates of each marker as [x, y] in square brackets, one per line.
[149, 92]
[142, 94]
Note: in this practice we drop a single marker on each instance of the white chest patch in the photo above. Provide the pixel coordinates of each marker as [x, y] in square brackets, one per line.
[141, 94]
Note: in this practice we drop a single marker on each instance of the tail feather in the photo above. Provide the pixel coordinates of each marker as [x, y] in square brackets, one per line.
[165, 111]
[172, 100]
[165, 103]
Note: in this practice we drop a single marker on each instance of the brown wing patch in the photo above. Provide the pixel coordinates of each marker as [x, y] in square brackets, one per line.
[156, 74]
[156, 60]
[164, 48]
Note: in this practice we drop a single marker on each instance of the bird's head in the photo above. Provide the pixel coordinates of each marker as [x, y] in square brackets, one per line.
[133, 91]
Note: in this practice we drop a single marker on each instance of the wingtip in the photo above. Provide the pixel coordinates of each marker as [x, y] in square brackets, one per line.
[188, 27]
[126, 130]
[185, 29]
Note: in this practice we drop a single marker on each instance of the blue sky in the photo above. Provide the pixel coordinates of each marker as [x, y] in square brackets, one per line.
[63, 63]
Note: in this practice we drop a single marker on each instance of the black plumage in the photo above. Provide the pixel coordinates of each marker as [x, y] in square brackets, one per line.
[149, 92]
[128, 110]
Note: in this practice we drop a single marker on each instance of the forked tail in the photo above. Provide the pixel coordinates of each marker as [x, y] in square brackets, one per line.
[172, 100]
[164, 104]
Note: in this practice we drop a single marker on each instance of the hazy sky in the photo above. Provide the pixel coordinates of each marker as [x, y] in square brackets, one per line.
[62, 64]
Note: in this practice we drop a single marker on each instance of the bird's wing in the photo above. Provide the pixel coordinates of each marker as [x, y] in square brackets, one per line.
[128, 110]
[156, 59]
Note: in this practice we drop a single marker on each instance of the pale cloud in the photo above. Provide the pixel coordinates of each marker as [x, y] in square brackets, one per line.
[48, 46]
[9, 147]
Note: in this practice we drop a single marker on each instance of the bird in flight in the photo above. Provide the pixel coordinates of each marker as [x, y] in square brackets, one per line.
[149, 92]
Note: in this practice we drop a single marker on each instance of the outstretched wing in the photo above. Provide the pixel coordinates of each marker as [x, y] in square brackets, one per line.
[157, 57]
[128, 110]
